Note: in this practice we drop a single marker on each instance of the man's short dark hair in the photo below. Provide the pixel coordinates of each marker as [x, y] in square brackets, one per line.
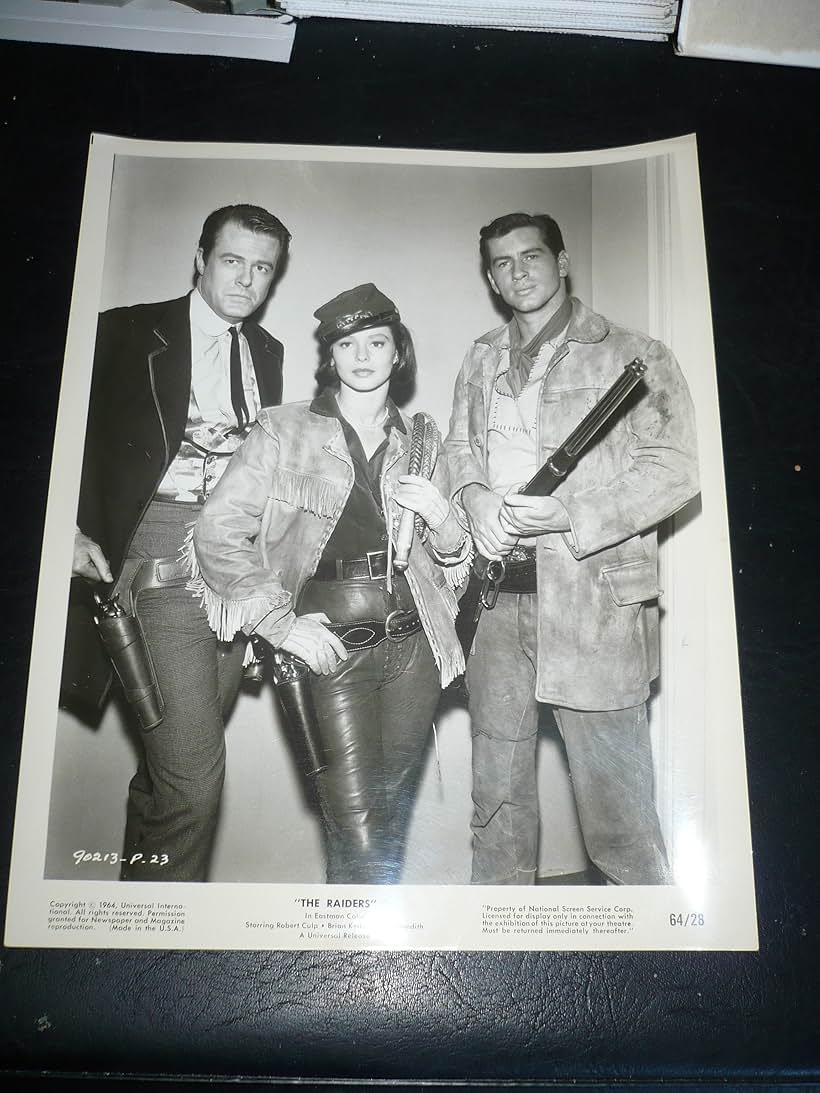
[251, 217]
[502, 225]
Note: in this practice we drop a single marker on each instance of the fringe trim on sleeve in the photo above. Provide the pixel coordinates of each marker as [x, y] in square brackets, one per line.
[458, 574]
[450, 660]
[305, 491]
[226, 617]
[451, 667]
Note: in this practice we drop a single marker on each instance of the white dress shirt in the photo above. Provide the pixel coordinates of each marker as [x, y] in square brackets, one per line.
[210, 436]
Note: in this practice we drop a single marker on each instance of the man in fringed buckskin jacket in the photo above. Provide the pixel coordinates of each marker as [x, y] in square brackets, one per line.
[576, 622]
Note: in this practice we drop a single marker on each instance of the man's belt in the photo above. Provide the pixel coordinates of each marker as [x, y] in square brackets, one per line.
[160, 572]
[519, 575]
[370, 633]
[372, 567]
[141, 574]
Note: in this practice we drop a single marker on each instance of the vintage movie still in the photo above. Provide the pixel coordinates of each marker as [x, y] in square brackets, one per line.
[386, 595]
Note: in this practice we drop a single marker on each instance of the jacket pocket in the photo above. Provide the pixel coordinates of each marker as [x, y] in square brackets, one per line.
[632, 582]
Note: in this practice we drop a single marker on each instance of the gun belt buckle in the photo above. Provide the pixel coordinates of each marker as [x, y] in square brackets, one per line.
[493, 579]
[394, 637]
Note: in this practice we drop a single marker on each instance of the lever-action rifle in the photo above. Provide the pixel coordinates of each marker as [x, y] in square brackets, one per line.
[487, 577]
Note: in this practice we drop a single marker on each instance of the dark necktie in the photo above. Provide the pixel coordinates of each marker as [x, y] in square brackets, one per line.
[240, 406]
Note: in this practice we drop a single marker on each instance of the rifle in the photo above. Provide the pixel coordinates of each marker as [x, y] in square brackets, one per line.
[488, 576]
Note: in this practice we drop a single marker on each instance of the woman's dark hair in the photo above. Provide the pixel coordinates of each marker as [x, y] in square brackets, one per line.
[403, 379]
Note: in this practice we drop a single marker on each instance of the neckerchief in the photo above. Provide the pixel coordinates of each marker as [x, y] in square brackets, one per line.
[522, 357]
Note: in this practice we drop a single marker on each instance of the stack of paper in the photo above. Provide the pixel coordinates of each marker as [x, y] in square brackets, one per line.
[777, 32]
[652, 20]
[153, 26]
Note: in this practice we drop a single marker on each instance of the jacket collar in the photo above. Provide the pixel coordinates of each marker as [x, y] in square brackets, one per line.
[325, 405]
[172, 324]
[169, 364]
[170, 349]
[585, 325]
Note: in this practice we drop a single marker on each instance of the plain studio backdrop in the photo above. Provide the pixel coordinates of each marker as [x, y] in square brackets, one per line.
[413, 230]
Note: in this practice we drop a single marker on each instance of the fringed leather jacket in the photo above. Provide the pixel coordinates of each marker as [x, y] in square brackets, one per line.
[262, 532]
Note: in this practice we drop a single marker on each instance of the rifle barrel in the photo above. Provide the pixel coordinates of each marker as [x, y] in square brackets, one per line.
[563, 458]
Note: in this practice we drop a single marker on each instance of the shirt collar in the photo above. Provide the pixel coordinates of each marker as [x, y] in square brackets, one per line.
[206, 320]
[325, 405]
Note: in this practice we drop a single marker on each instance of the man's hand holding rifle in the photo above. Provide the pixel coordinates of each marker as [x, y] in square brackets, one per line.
[526, 516]
[498, 522]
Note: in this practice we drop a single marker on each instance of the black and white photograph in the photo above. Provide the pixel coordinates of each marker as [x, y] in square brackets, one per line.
[386, 598]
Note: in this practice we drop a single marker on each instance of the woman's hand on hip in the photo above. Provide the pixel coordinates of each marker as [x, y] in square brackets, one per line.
[309, 639]
[419, 494]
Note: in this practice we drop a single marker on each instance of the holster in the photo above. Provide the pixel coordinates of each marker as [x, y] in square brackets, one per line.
[124, 640]
[519, 576]
[291, 679]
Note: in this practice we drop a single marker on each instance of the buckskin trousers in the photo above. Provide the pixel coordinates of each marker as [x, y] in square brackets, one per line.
[375, 713]
[174, 798]
[609, 755]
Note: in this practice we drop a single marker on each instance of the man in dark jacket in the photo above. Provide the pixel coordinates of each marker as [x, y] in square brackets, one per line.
[576, 625]
[176, 386]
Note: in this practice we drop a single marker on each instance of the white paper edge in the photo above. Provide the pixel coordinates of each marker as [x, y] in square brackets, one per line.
[252, 916]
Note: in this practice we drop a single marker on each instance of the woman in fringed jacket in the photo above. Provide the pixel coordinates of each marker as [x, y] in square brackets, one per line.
[296, 546]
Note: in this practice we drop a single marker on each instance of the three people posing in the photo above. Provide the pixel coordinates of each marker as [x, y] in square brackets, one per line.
[295, 546]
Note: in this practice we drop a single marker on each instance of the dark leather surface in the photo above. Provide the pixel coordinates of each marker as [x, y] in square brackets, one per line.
[531, 1017]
